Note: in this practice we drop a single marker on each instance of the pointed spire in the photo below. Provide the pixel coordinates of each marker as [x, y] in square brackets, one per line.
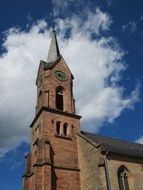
[54, 51]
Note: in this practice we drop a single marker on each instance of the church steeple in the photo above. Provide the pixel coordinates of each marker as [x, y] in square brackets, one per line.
[53, 161]
[54, 51]
[54, 81]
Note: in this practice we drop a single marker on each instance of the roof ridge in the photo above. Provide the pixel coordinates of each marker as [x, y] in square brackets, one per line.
[116, 146]
[112, 138]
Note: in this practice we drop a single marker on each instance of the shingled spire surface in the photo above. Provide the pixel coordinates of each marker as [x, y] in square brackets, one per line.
[54, 51]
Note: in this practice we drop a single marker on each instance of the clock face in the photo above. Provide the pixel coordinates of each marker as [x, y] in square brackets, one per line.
[61, 75]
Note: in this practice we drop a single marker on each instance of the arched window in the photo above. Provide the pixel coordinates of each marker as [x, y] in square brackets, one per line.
[123, 178]
[65, 129]
[58, 127]
[59, 98]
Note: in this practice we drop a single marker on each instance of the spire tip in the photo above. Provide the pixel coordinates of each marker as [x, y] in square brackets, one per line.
[54, 52]
[53, 26]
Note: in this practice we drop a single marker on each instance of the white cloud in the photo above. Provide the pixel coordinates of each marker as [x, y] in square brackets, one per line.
[94, 22]
[62, 7]
[18, 68]
[96, 64]
[130, 27]
[140, 140]
[141, 17]
[59, 6]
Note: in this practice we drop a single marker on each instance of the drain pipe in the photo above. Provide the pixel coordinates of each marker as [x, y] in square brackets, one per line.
[105, 153]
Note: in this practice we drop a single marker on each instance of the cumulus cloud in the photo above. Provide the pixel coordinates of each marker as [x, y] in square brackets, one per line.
[93, 22]
[96, 63]
[130, 27]
[65, 8]
[59, 6]
[18, 68]
[140, 140]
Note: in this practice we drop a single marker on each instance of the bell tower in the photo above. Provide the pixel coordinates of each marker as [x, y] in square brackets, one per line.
[52, 163]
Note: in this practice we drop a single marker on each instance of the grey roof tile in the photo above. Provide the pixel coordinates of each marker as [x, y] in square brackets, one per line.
[117, 146]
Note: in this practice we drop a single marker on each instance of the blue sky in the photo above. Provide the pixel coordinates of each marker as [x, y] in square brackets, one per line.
[101, 42]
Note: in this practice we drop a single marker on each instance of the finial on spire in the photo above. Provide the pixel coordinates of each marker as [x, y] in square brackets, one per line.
[53, 25]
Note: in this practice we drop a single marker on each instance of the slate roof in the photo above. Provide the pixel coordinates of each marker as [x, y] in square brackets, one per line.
[54, 51]
[48, 65]
[116, 146]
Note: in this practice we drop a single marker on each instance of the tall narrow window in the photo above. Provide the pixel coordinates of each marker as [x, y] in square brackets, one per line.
[59, 98]
[123, 175]
[58, 128]
[65, 129]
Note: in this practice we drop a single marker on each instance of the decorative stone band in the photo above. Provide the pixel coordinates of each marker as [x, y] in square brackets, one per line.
[53, 111]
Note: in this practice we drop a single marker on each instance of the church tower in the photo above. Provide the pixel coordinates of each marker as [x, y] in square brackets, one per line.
[52, 163]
